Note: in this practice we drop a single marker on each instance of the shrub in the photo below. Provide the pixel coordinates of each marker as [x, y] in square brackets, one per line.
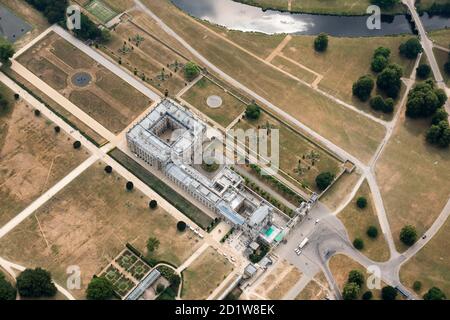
[358, 243]
[153, 204]
[361, 202]
[372, 232]
[439, 134]
[324, 179]
[16, 96]
[35, 283]
[77, 145]
[181, 226]
[321, 42]
[367, 295]
[99, 289]
[388, 105]
[408, 235]
[129, 185]
[152, 244]
[389, 80]
[382, 51]
[57, 129]
[160, 288]
[423, 71]
[417, 286]
[388, 293]
[37, 113]
[108, 169]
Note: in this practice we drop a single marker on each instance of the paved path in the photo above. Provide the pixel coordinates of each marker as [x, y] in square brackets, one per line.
[111, 66]
[194, 256]
[279, 48]
[46, 196]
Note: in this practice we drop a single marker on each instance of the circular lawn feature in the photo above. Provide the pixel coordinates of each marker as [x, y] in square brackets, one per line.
[214, 102]
[81, 79]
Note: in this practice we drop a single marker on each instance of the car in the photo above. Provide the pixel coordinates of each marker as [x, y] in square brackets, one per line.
[299, 252]
[317, 221]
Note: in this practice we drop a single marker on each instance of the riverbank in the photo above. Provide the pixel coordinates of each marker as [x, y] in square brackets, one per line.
[336, 7]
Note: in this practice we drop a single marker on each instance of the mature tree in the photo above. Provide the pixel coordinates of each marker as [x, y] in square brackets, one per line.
[321, 42]
[160, 288]
[434, 294]
[389, 104]
[351, 291]
[361, 202]
[389, 80]
[423, 71]
[89, 31]
[191, 70]
[368, 295]
[129, 186]
[108, 169]
[377, 103]
[372, 232]
[253, 111]
[424, 99]
[363, 87]
[358, 243]
[6, 51]
[77, 145]
[324, 179]
[440, 115]
[382, 51]
[35, 283]
[385, 4]
[181, 226]
[7, 291]
[99, 288]
[411, 48]
[439, 134]
[408, 235]
[54, 11]
[152, 244]
[153, 204]
[379, 63]
[356, 276]
[388, 293]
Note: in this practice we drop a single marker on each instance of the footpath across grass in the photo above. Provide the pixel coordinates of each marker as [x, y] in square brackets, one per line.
[179, 202]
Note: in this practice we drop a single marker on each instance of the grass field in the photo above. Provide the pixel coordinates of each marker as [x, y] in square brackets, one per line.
[338, 7]
[88, 223]
[413, 177]
[106, 97]
[187, 208]
[357, 221]
[316, 289]
[339, 190]
[293, 69]
[119, 5]
[353, 132]
[431, 264]
[441, 37]
[204, 275]
[101, 11]
[441, 58]
[338, 70]
[299, 158]
[32, 157]
[231, 106]
[341, 265]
